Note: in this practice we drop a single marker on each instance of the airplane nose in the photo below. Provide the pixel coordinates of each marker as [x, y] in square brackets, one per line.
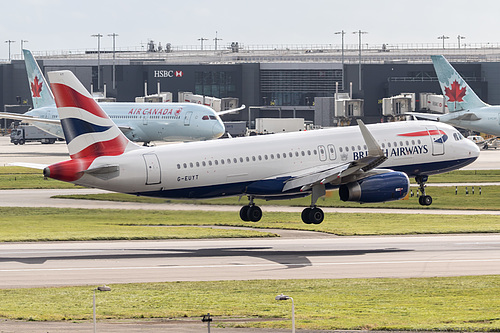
[218, 129]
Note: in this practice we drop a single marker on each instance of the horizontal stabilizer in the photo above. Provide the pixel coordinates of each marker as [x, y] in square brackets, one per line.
[29, 165]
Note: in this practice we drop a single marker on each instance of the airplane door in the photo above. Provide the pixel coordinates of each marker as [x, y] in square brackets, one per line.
[145, 120]
[322, 153]
[153, 170]
[437, 140]
[187, 118]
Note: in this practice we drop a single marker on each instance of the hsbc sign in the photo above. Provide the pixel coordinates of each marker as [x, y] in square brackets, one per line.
[168, 73]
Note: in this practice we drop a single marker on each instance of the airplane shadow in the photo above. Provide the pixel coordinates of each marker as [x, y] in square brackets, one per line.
[289, 259]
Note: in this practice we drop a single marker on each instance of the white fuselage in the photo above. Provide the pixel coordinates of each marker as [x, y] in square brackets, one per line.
[262, 163]
[144, 122]
[487, 119]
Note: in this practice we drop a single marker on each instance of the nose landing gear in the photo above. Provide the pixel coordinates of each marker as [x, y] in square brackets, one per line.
[424, 200]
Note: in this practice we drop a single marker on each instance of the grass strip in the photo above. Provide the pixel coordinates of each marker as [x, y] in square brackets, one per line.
[419, 304]
[64, 224]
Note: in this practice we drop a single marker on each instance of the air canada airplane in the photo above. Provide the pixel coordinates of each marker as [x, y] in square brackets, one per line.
[140, 122]
[466, 109]
[366, 163]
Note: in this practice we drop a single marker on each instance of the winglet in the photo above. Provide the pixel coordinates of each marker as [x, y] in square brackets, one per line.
[373, 147]
[242, 107]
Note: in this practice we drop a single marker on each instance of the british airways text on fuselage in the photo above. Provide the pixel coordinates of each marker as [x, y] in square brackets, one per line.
[395, 152]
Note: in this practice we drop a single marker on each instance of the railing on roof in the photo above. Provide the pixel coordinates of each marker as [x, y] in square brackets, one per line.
[370, 53]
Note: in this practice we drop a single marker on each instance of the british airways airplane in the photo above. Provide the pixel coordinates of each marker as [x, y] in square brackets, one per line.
[140, 122]
[366, 163]
[466, 109]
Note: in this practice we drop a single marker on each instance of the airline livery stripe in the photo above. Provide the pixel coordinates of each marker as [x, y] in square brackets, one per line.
[73, 128]
[68, 97]
[85, 140]
[114, 147]
[423, 133]
[75, 112]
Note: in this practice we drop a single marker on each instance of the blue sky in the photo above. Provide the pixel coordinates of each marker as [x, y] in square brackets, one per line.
[55, 25]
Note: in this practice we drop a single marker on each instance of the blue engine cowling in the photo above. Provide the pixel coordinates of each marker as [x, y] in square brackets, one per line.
[388, 186]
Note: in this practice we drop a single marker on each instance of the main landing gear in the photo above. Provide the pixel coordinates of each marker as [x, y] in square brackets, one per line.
[251, 212]
[423, 199]
[310, 215]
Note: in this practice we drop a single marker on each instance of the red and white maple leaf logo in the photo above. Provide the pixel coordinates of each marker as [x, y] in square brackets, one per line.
[36, 87]
[455, 94]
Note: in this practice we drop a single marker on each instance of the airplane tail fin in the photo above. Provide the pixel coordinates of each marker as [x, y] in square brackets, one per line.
[88, 130]
[40, 92]
[459, 96]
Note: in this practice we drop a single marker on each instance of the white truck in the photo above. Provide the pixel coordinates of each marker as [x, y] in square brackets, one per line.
[23, 134]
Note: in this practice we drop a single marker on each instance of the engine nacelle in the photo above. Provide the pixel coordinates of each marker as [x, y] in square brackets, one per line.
[388, 186]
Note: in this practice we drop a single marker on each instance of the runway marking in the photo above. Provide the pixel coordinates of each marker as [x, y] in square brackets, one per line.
[252, 265]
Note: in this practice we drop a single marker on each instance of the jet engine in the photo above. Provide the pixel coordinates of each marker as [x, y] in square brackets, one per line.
[383, 187]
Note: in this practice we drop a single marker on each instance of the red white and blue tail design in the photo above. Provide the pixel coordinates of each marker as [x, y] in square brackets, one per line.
[88, 130]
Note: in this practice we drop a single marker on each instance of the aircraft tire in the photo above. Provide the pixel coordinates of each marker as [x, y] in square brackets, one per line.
[305, 215]
[316, 215]
[427, 200]
[254, 213]
[244, 213]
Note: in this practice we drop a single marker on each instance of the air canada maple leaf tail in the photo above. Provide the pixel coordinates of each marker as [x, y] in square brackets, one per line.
[88, 130]
[40, 92]
[459, 96]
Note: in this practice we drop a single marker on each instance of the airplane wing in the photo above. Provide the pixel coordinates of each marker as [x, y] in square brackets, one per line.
[339, 173]
[242, 107]
[426, 116]
[26, 118]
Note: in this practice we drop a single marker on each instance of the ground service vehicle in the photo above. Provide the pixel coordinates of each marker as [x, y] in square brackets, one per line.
[23, 134]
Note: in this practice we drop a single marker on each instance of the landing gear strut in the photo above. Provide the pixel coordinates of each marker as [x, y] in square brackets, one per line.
[424, 200]
[314, 214]
[251, 212]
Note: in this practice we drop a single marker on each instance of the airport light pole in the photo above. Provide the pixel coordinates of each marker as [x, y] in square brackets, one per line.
[459, 38]
[10, 42]
[443, 37]
[201, 40]
[22, 46]
[342, 33]
[102, 288]
[114, 50]
[284, 298]
[359, 32]
[98, 60]
[216, 40]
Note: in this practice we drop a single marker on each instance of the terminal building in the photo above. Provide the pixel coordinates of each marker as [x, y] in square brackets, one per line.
[323, 85]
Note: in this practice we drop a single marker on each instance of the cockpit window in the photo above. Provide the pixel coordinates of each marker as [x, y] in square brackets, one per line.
[213, 118]
[205, 117]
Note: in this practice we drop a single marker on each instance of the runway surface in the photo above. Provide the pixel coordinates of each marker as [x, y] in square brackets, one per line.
[92, 263]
